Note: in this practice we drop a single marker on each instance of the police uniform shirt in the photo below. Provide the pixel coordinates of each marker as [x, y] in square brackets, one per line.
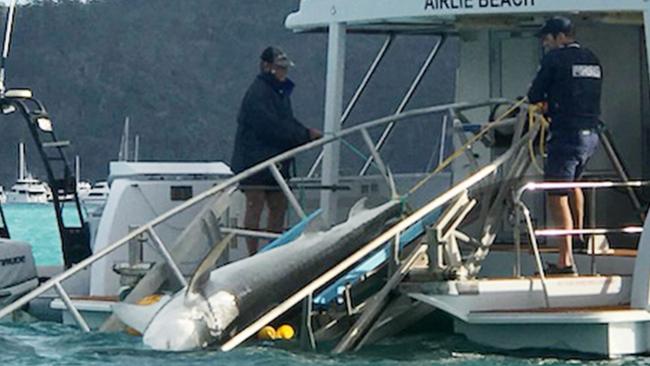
[570, 80]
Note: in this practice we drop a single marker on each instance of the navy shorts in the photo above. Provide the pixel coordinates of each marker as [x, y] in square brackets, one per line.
[568, 154]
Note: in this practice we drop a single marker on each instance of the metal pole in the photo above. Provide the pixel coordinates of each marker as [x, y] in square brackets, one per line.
[592, 223]
[7, 42]
[517, 237]
[533, 243]
[68, 303]
[355, 98]
[646, 21]
[379, 162]
[167, 256]
[407, 98]
[443, 139]
[333, 110]
[307, 338]
[250, 233]
[287, 191]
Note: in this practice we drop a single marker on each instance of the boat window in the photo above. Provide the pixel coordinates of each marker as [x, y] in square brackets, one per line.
[181, 193]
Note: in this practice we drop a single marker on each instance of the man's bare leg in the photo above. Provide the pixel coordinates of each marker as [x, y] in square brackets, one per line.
[254, 207]
[577, 204]
[561, 216]
[277, 203]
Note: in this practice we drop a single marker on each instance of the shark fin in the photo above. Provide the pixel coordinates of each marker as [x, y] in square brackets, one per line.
[358, 207]
[138, 317]
[202, 273]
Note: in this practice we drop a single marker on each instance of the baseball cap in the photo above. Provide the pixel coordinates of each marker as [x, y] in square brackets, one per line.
[555, 25]
[276, 56]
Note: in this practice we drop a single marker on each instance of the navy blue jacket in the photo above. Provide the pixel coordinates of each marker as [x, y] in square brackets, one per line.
[266, 127]
[570, 80]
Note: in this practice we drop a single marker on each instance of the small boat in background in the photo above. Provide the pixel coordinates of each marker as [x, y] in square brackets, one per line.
[27, 189]
[3, 197]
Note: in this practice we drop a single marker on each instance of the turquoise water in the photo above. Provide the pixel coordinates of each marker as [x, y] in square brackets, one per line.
[52, 344]
[36, 225]
[55, 344]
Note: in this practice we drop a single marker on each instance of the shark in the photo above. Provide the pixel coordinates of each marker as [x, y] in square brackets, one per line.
[218, 303]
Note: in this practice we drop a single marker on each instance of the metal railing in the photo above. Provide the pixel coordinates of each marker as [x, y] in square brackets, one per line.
[149, 228]
[522, 209]
[391, 234]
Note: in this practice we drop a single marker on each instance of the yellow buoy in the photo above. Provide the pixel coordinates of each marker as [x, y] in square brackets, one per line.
[267, 333]
[285, 331]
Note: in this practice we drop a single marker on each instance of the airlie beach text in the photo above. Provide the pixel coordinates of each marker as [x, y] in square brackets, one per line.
[471, 4]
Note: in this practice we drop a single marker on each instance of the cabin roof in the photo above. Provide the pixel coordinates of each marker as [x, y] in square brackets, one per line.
[449, 16]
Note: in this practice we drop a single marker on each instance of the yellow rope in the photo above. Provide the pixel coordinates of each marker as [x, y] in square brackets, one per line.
[485, 129]
[535, 113]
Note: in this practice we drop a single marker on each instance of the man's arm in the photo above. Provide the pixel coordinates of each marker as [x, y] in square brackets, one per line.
[538, 91]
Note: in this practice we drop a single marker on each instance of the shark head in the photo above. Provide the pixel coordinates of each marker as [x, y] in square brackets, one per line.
[191, 322]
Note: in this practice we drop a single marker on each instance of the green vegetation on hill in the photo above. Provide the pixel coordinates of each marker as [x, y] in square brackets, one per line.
[178, 69]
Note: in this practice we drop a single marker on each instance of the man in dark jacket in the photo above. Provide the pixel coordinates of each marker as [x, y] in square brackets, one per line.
[569, 81]
[266, 128]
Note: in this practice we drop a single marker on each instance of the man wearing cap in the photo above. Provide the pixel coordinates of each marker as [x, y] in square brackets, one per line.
[267, 127]
[569, 83]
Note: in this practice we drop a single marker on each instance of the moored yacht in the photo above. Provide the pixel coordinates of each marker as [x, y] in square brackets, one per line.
[27, 189]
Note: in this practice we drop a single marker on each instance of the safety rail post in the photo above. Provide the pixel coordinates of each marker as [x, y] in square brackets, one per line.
[533, 243]
[517, 239]
[592, 223]
[71, 308]
[393, 257]
[458, 129]
[307, 338]
[383, 169]
[287, 191]
[168, 257]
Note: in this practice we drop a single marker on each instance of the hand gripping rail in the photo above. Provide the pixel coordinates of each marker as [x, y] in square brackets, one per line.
[149, 227]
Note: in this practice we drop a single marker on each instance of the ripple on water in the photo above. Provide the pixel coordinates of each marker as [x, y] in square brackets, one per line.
[55, 344]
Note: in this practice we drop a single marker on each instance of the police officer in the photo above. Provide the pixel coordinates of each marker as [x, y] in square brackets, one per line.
[568, 85]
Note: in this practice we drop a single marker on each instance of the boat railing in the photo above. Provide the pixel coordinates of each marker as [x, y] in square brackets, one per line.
[522, 210]
[390, 235]
[271, 164]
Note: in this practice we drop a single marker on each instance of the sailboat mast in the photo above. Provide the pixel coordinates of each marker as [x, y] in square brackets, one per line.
[77, 170]
[21, 161]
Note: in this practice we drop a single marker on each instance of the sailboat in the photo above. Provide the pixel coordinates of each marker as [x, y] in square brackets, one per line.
[27, 189]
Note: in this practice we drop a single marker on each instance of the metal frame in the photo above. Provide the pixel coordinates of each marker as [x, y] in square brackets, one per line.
[550, 186]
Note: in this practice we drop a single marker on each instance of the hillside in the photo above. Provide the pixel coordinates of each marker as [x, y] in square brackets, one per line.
[179, 69]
